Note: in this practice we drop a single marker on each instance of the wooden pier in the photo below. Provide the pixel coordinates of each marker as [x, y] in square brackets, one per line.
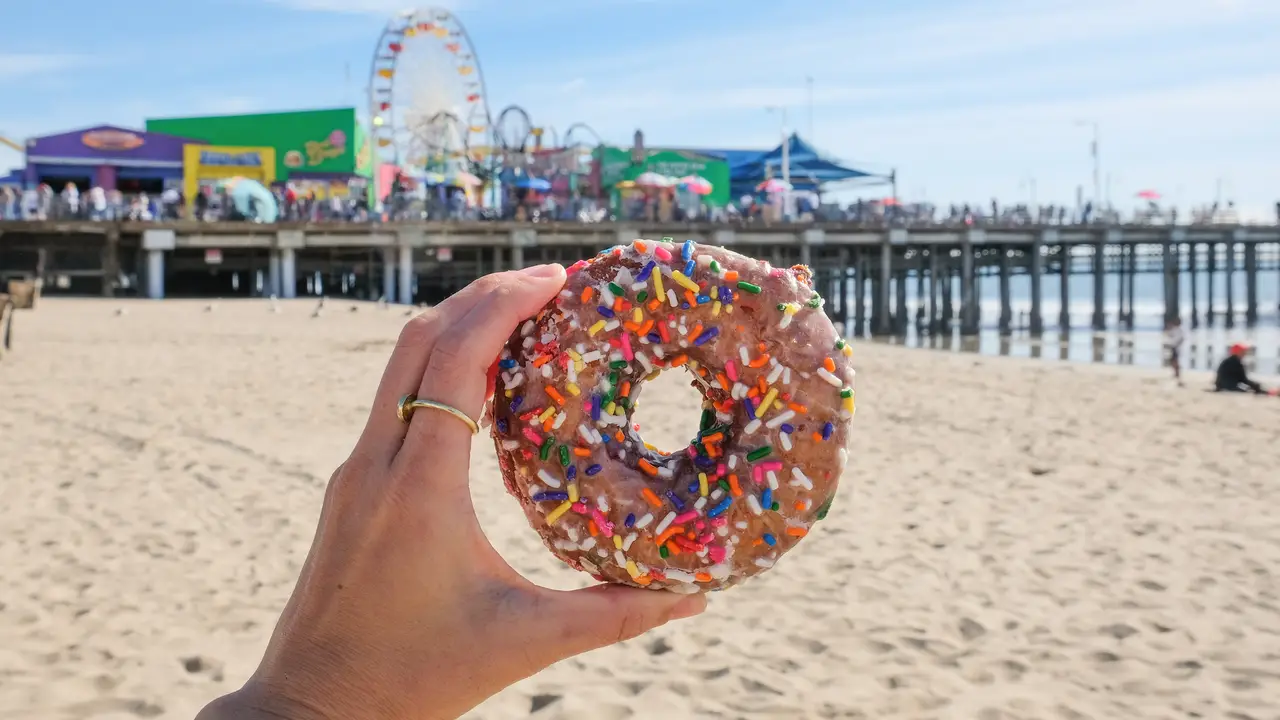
[868, 275]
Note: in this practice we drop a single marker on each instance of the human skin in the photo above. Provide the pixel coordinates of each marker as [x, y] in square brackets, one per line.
[403, 609]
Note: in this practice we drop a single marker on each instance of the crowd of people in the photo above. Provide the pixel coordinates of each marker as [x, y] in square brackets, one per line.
[404, 202]
[211, 204]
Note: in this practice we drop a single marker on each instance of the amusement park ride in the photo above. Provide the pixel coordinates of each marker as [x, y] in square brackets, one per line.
[429, 108]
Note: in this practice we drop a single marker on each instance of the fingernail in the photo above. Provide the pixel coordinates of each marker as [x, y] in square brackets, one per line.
[543, 271]
[688, 607]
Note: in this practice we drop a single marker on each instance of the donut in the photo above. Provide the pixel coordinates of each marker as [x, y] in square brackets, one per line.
[777, 388]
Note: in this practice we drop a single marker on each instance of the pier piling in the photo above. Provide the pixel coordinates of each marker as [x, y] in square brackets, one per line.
[902, 318]
[880, 311]
[1006, 302]
[1037, 270]
[1193, 277]
[1064, 288]
[1212, 268]
[860, 294]
[968, 314]
[922, 266]
[1250, 284]
[935, 290]
[1228, 280]
[1123, 278]
[1169, 258]
[1099, 285]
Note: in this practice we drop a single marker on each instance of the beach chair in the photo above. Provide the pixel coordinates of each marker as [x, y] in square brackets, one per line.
[23, 294]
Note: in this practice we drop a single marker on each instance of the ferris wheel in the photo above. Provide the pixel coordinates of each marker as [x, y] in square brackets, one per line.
[428, 107]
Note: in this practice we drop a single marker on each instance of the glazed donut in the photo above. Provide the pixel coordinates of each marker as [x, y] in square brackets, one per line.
[777, 403]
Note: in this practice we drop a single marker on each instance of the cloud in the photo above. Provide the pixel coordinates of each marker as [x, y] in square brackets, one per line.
[17, 66]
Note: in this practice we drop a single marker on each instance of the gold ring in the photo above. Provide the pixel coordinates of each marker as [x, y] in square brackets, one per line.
[409, 403]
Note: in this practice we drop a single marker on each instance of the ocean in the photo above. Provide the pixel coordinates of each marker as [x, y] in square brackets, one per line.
[1206, 346]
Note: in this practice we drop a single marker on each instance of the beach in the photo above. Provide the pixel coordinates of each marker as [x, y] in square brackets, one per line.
[1013, 538]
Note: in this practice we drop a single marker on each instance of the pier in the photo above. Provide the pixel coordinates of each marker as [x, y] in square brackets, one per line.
[867, 275]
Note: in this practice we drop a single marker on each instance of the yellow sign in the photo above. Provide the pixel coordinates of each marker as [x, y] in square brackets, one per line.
[318, 152]
[220, 162]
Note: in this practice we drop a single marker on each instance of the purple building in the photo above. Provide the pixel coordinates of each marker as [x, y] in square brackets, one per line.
[108, 156]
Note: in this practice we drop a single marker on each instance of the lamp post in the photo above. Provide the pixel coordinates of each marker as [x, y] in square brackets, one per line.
[786, 158]
[1097, 170]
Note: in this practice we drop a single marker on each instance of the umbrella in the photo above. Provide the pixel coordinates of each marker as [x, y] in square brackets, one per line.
[1149, 195]
[533, 183]
[773, 185]
[695, 184]
[253, 200]
[653, 180]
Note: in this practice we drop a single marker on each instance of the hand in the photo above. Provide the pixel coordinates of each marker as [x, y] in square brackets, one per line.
[403, 609]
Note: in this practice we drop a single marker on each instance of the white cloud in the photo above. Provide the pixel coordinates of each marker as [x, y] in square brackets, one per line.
[16, 66]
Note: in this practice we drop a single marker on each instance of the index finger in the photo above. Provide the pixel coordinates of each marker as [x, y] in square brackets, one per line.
[456, 373]
[384, 432]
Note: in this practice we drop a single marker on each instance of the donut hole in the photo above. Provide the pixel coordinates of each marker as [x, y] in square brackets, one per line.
[668, 411]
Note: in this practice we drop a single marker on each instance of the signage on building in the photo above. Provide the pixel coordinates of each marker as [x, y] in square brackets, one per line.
[227, 159]
[112, 140]
[444, 254]
[213, 256]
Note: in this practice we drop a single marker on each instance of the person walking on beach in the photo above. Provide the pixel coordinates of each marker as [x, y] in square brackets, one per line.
[1232, 376]
[1174, 339]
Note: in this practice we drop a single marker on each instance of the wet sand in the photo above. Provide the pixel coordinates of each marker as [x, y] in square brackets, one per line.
[1014, 538]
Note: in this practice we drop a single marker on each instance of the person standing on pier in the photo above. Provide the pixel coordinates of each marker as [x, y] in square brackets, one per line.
[1174, 339]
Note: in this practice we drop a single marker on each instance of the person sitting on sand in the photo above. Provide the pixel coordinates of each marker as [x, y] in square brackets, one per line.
[403, 609]
[1232, 376]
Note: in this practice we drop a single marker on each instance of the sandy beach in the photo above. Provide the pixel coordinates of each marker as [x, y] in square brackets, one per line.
[1013, 539]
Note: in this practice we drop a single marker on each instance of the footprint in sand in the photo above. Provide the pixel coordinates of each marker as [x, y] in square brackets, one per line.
[1119, 631]
[970, 629]
[659, 646]
[197, 665]
[538, 702]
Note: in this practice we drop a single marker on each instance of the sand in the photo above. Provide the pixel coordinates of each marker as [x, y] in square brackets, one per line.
[1014, 538]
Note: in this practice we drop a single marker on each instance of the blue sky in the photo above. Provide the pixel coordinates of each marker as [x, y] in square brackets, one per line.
[968, 100]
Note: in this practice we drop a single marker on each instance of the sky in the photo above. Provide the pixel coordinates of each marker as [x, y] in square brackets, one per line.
[967, 101]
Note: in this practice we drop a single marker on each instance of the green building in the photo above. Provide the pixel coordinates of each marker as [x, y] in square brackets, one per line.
[615, 165]
[320, 145]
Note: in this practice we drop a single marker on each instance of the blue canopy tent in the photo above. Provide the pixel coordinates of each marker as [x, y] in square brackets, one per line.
[807, 169]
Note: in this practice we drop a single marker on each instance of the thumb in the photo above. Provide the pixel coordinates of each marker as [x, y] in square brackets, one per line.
[606, 614]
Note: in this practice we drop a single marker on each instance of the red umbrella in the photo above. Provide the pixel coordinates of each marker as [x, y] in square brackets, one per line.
[1149, 195]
